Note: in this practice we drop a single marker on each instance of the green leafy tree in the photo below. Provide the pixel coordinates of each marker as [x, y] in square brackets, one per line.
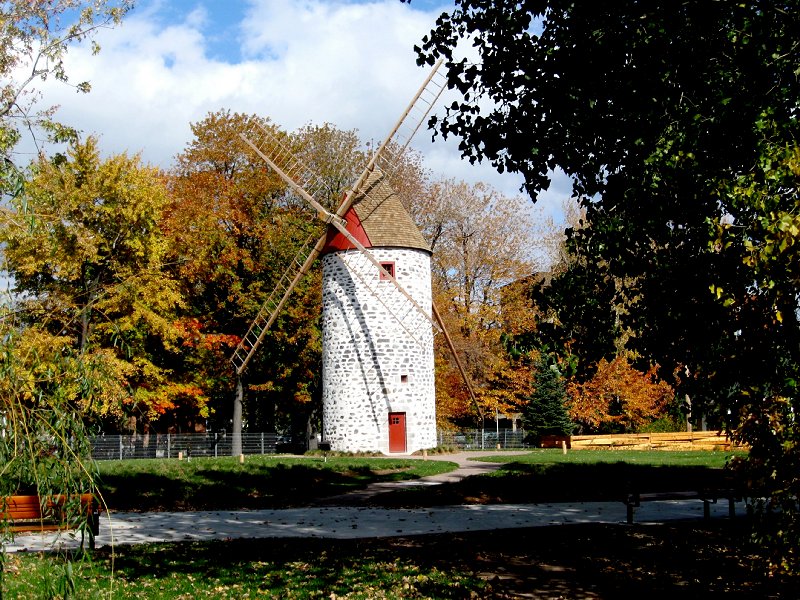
[546, 411]
[664, 116]
[760, 228]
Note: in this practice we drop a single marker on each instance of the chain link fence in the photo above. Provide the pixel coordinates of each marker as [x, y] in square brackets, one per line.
[169, 445]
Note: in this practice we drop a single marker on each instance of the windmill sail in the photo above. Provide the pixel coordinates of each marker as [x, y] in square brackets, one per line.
[275, 302]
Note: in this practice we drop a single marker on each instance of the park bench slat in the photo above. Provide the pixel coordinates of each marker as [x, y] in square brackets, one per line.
[24, 513]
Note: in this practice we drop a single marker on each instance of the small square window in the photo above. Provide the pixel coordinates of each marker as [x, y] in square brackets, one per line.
[403, 378]
[388, 267]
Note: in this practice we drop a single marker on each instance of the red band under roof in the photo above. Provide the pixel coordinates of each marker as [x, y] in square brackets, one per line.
[337, 241]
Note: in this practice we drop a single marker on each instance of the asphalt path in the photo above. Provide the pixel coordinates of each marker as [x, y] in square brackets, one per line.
[338, 521]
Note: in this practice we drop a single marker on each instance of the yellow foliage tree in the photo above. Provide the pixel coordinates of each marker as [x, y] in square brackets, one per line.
[87, 256]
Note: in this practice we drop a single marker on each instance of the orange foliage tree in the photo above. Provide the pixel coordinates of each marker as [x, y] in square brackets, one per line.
[233, 229]
[618, 397]
[480, 241]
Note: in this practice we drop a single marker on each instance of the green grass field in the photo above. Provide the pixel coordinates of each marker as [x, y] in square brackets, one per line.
[260, 482]
[583, 475]
[687, 458]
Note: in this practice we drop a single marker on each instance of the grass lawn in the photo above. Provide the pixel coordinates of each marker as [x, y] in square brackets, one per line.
[583, 475]
[680, 560]
[684, 458]
[261, 482]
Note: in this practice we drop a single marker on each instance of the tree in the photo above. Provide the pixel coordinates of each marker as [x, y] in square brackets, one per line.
[42, 377]
[479, 244]
[619, 396]
[34, 40]
[546, 412]
[83, 246]
[44, 382]
[219, 221]
[235, 230]
[760, 228]
[655, 112]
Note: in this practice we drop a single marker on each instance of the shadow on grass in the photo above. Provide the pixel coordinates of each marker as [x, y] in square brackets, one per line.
[261, 486]
[519, 482]
[686, 560]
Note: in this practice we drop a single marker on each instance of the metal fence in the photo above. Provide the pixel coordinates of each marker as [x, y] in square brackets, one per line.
[487, 439]
[169, 445]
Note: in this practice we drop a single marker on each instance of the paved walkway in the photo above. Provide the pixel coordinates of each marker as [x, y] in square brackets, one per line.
[467, 466]
[338, 522]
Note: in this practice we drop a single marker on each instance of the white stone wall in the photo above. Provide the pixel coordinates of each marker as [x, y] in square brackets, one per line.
[371, 364]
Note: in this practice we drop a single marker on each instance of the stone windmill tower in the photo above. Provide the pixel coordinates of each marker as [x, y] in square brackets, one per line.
[377, 363]
[377, 312]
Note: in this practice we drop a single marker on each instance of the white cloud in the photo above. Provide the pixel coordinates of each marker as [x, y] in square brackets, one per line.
[350, 64]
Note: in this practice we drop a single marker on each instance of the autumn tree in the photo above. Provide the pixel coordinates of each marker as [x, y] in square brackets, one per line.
[45, 381]
[236, 228]
[219, 221]
[83, 246]
[480, 241]
[619, 397]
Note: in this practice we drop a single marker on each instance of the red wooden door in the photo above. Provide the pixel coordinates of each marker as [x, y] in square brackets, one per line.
[397, 432]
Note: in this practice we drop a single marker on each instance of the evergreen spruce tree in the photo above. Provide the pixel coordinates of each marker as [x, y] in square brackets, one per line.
[546, 413]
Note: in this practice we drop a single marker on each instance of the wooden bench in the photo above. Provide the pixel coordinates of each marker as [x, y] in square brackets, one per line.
[634, 500]
[24, 513]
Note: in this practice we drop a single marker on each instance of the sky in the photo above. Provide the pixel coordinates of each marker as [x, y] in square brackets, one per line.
[350, 63]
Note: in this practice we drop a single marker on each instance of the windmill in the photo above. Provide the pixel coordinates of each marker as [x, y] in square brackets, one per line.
[378, 317]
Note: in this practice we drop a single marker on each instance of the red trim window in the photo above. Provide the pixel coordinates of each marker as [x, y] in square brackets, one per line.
[389, 268]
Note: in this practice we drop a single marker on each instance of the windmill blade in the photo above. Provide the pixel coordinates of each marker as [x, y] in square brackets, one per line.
[269, 311]
[309, 186]
[401, 134]
[277, 154]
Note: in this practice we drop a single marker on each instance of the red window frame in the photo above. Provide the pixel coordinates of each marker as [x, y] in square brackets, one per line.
[389, 267]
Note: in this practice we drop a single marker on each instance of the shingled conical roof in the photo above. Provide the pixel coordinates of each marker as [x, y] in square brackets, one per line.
[377, 218]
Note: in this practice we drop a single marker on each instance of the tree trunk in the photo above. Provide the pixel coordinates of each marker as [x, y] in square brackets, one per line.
[688, 405]
[236, 434]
